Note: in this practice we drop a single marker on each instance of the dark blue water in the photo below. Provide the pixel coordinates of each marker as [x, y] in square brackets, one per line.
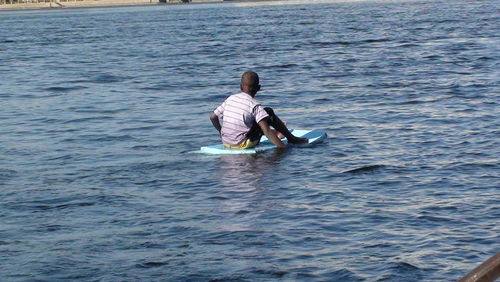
[101, 109]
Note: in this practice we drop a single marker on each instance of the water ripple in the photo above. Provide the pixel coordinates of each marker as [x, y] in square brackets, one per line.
[98, 121]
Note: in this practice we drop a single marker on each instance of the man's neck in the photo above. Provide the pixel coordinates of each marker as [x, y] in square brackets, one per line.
[249, 94]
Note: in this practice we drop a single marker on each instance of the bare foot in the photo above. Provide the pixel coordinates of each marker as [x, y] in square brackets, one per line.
[297, 140]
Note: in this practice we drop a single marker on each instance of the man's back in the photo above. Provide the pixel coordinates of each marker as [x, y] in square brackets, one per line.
[239, 113]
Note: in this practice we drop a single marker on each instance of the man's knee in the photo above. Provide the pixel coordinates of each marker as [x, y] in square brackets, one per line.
[269, 111]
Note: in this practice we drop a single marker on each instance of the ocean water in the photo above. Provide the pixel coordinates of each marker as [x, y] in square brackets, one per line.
[102, 108]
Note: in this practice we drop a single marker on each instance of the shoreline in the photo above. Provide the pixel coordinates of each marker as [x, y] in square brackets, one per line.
[63, 4]
[89, 4]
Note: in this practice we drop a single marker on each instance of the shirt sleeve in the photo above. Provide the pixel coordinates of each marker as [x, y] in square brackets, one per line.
[219, 112]
[259, 113]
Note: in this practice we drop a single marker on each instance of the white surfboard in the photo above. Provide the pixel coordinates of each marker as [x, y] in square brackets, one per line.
[314, 136]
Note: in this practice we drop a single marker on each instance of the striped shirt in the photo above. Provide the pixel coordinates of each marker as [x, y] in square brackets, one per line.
[239, 112]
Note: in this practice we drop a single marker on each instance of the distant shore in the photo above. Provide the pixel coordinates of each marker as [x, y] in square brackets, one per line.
[47, 4]
[88, 3]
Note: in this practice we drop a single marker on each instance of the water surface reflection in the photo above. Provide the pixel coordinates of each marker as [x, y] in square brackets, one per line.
[243, 189]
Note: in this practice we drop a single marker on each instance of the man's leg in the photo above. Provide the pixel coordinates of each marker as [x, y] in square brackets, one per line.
[278, 124]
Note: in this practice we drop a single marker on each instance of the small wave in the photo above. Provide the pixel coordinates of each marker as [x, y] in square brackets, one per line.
[151, 183]
[151, 166]
[221, 198]
[376, 40]
[327, 44]
[485, 58]
[322, 100]
[444, 121]
[140, 128]
[180, 102]
[365, 169]
[151, 264]
[147, 147]
[404, 266]
[342, 275]
[283, 66]
[377, 245]
[474, 166]
[48, 206]
[51, 228]
[78, 120]
[107, 78]
[158, 87]
[444, 209]
[147, 245]
[112, 138]
[400, 271]
[277, 273]
[434, 219]
[7, 173]
[92, 109]
[347, 43]
[46, 120]
[63, 157]
[432, 57]
[412, 102]
[64, 89]
[240, 212]
[408, 45]
[27, 96]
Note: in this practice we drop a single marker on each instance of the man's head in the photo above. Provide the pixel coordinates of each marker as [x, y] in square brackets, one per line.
[250, 83]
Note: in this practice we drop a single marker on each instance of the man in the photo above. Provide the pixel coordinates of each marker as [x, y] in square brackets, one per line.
[245, 120]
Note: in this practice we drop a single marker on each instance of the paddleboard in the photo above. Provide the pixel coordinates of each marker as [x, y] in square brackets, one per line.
[314, 136]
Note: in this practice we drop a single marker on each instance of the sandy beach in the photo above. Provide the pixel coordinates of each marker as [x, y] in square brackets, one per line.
[88, 3]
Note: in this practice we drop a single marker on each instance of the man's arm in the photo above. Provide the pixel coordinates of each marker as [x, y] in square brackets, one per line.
[215, 121]
[270, 134]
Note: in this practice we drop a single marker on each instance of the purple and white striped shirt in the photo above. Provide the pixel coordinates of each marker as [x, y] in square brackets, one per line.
[239, 112]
